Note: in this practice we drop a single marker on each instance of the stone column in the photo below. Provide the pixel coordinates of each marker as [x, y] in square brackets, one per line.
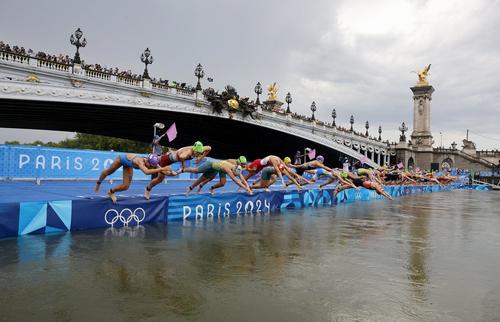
[421, 136]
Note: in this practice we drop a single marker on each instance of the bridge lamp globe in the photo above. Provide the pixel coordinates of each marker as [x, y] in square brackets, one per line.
[313, 109]
[157, 126]
[334, 116]
[199, 73]
[258, 90]
[288, 100]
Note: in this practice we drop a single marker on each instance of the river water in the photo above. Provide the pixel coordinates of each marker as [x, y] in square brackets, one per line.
[429, 257]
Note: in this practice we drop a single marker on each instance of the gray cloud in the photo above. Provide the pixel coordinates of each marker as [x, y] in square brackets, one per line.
[355, 56]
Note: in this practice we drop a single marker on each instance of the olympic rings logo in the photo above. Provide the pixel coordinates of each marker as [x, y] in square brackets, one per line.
[125, 216]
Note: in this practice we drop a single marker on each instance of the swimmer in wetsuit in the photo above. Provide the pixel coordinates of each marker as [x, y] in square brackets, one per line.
[129, 162]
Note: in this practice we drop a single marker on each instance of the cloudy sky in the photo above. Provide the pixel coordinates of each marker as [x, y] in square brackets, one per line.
[354, 55]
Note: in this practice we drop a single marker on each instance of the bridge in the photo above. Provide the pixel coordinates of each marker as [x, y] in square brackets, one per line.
[40, 94]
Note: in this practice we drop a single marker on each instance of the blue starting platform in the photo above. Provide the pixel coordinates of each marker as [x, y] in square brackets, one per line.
[57, 206]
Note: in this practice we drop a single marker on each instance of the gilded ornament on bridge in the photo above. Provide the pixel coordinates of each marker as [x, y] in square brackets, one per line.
[272, 92]
[32, 78]
[422, 76]
[145, 94]
[76, 83]
[233, 103]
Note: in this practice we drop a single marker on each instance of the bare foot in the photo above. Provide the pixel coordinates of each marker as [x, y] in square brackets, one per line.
[335, 192]
[211, 191]
[112, 196]
[97, 186]
[199, 189]
[147, 193]
[189, 190]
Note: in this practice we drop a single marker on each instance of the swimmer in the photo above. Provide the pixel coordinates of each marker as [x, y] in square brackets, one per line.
[210, 170]
[129, 162]
[197, 151]
[311, 165]
[207, 177]
[257, 165]
[340, 176]
[269, 176]
[361, 182]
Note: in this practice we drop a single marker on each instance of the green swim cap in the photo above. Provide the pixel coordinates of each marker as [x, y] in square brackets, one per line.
[344, 174]
[198, 147]
[242, 160]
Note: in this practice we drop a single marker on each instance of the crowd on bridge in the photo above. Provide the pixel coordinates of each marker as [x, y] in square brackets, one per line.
[65, 59]
[270, 168]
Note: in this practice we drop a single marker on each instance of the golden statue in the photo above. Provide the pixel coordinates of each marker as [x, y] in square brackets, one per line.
[422, 76]
[272, 92]
[233, 103]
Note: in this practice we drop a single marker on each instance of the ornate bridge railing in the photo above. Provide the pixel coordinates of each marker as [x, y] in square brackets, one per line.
[53, 77]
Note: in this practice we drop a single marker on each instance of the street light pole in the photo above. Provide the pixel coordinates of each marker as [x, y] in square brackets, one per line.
[334, 116]
[258, 90]
[313, 109]
[199, 73]
[351, 120]
[75, 40]
[147, 59]
[288, 100]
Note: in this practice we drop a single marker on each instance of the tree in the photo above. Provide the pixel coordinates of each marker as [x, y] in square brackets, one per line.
[94, 142]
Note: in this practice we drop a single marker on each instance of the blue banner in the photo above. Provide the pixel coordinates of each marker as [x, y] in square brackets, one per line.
[182, 207]
[128, 212]
[22, 162]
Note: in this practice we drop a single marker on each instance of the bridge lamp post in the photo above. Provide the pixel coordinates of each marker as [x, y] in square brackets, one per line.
[453, 145]
[351, 120]
[160, 126]
[147, 59]
[199, 73]
[313, 109]
[288, 100]
[367, 126]
[334, 116]
[380, 133]
[258, 90]
[403, 128]
[75, 41]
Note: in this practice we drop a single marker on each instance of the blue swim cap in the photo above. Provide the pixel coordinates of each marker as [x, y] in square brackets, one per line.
[320, 158]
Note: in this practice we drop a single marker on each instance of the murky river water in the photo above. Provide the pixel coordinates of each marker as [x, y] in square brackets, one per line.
[431, 257]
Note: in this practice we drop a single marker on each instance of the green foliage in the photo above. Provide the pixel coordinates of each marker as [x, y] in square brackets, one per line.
[94, 142]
